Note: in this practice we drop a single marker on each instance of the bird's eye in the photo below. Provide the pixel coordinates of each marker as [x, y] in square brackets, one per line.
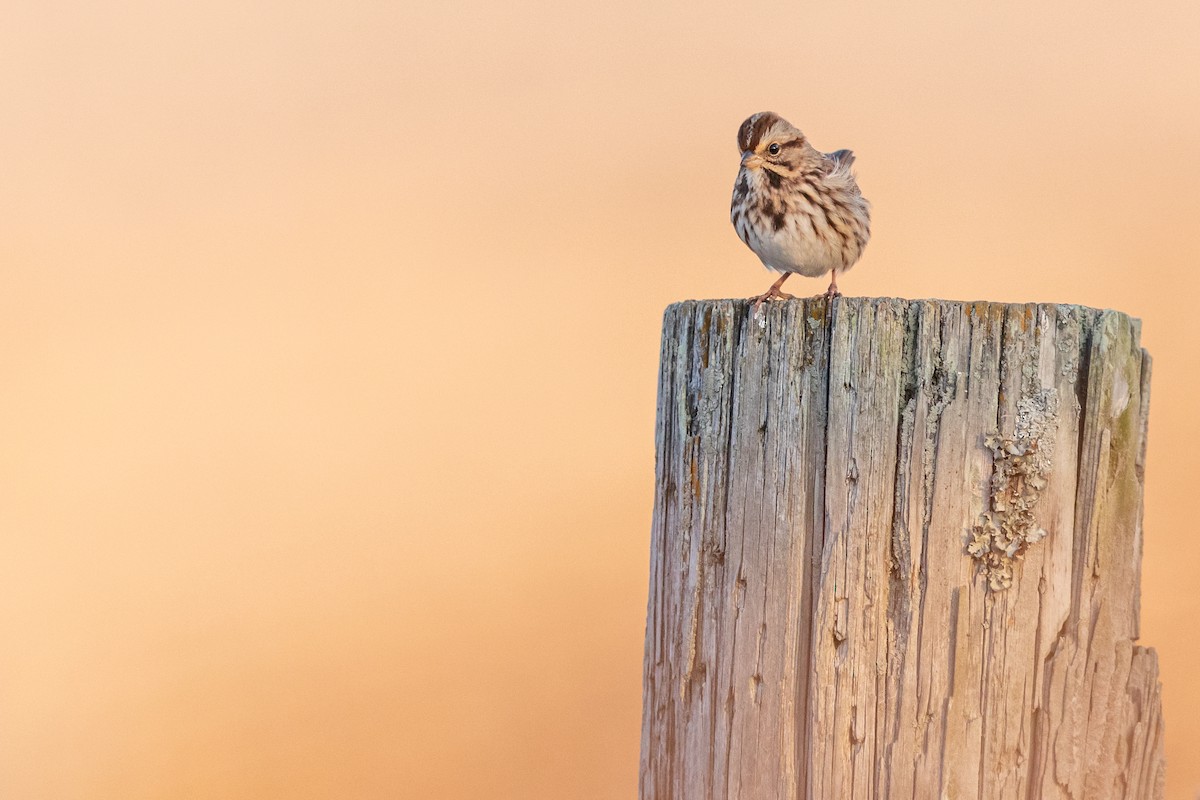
[773, 149]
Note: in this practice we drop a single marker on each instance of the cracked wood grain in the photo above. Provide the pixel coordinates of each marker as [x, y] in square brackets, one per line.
[816, 627]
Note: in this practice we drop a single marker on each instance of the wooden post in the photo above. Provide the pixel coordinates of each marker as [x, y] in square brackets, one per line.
[896, 554]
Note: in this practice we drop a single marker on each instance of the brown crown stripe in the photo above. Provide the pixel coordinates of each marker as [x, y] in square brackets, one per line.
[744, 134]
[761, 126]
[753, 129]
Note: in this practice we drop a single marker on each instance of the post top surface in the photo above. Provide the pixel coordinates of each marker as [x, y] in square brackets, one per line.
[978, 306]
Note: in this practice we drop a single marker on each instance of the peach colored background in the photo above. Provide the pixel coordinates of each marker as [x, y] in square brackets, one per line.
[328, 341]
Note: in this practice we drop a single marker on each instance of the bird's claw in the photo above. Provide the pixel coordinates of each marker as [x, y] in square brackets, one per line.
[773, 292]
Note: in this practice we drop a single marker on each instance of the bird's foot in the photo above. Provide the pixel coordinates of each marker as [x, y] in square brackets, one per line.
[832, 292]
[773, 292]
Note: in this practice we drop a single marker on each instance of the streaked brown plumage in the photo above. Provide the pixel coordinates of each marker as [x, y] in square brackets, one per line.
[798, 209]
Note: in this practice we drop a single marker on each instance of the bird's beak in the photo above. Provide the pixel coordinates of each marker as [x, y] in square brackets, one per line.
[751, 161]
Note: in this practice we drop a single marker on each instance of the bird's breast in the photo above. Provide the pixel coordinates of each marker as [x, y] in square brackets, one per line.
[794, 225]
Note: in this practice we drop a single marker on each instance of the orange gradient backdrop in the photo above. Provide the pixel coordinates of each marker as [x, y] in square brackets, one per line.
[329, 332]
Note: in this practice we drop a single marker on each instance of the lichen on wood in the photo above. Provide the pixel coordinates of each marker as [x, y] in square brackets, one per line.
[1008, 528]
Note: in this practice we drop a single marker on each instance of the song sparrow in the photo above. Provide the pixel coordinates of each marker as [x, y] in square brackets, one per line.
[798, 209]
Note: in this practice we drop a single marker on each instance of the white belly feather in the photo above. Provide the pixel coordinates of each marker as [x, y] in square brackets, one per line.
[795, 248]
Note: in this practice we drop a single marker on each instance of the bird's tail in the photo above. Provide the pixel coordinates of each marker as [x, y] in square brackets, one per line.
[843, 158]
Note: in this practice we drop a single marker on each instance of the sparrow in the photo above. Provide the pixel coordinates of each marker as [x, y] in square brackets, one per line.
[798, 209]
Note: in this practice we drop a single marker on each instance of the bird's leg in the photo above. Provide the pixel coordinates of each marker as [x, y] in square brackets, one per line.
[832, 291]
[773, 292]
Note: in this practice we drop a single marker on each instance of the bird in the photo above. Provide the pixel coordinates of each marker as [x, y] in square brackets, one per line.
[798, 209]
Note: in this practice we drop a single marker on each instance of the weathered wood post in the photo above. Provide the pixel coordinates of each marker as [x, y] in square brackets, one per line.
[896, 554]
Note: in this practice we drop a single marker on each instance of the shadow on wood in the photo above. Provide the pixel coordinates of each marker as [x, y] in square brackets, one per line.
[896, 554]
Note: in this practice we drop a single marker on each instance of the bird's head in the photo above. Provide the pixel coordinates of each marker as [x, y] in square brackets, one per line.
[767, 140]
